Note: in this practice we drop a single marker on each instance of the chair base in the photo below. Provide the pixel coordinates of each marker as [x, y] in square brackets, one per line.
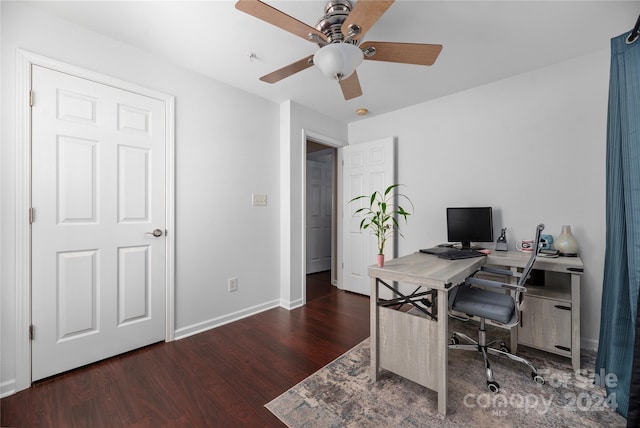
[485, 348]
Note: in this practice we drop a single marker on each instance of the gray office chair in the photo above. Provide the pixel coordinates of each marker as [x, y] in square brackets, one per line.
[474, 299]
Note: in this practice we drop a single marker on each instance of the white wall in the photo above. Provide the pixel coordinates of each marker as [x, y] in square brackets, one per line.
[532, 146]
[296, 123]
[219, 162]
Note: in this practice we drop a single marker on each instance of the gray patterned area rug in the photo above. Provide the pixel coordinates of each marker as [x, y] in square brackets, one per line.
[342, 394]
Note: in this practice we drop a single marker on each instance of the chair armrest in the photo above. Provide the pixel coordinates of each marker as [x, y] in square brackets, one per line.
[497, 271]
[486, 283]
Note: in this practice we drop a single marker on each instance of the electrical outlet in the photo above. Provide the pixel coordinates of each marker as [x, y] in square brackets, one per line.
[258, 200]
[233, 284]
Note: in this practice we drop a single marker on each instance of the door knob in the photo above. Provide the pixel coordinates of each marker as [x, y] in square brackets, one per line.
[157, 233]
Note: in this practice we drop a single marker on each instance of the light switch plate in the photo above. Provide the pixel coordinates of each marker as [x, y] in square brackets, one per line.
[233, 284]
[258, 200]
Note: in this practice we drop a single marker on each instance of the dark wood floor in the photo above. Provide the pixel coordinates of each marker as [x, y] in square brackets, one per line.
[220, 378]
[319, 285]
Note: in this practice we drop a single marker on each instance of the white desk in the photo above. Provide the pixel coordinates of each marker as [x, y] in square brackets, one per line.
[416, 347]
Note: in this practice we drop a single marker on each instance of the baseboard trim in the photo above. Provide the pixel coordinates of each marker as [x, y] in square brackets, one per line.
[7, 388]
[203, 326]
[590, 344]
[292, 305]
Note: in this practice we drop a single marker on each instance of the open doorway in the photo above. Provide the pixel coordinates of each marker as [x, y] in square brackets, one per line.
[321, 225]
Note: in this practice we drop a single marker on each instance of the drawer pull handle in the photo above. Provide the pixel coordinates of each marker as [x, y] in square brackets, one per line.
[573, 269]
[521, 325]
[564, 348]
[566, 308]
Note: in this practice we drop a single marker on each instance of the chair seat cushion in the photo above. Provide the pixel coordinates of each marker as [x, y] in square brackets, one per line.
[485, 304]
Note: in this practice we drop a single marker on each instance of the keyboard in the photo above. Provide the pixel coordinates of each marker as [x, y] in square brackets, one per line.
[437, 250]
[456, 254]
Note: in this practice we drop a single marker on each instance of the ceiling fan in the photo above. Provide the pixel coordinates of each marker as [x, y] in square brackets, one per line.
[339, 33]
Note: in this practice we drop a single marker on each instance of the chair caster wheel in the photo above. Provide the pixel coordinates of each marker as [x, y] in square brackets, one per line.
[504, 348]
[454, 340]
[493, 386]
[537, 378]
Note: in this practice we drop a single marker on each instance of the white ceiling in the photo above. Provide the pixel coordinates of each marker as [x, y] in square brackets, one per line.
[484, 41]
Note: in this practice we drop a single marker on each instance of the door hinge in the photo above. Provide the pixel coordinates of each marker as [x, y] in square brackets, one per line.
[31, 332]
[32, 215]
[31, 97]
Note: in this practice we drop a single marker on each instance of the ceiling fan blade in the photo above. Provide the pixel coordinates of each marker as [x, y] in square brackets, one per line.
[406, 53]
[288, 70]
[365, 13]
[280, 19]
[351, 86]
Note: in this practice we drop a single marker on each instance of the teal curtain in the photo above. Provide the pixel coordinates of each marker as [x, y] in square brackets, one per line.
[622, 255]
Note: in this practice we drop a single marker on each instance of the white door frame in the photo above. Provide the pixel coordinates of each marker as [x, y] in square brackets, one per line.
[24, 62]
[337, 144]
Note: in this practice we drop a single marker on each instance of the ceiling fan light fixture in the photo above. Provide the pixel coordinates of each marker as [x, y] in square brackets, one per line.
[338, 60]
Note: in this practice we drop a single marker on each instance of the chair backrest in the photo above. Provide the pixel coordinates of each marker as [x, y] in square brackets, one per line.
[536, 249]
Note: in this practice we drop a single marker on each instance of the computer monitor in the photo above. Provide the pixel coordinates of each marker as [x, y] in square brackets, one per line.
[469, 224]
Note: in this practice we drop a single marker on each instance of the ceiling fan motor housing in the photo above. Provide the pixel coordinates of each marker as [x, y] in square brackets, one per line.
[330, 24]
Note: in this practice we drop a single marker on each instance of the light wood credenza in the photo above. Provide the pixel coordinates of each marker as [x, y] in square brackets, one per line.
[550, 319]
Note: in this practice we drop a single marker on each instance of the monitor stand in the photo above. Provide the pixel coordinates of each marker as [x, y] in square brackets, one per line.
[465, 245]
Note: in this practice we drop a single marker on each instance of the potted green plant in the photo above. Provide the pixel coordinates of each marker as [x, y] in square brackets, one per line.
[381, 216]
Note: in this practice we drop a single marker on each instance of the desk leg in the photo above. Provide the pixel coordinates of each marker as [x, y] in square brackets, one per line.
[575, 322]
[443, 343]
[374, 334]
[514, 330]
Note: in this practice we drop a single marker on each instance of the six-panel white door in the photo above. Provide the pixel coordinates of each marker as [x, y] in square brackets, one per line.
[98, 190]
[368, 167]
[319, 214]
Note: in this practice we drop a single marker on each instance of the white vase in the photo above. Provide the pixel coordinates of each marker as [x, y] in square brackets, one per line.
[565, 243]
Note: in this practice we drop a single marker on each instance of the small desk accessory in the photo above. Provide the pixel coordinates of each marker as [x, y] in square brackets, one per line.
[548, 252]
[501, 243]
